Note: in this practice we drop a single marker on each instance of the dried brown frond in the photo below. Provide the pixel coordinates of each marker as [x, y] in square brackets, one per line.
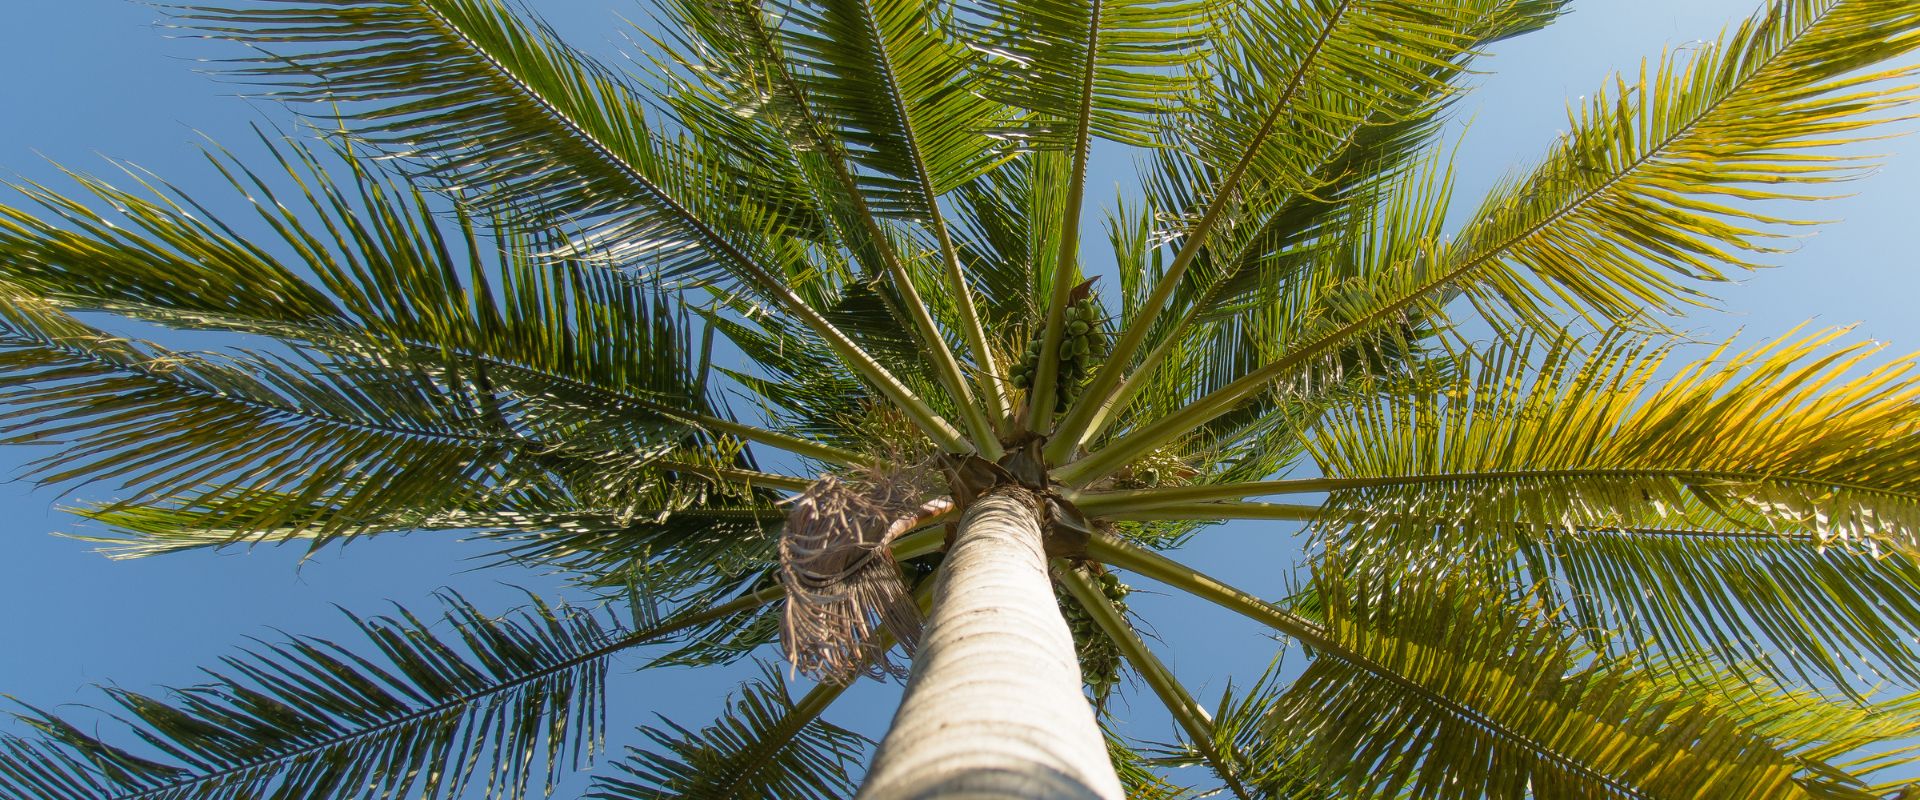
[841, 580]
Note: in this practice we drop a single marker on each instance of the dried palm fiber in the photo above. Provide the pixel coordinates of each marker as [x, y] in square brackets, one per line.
[841, 580]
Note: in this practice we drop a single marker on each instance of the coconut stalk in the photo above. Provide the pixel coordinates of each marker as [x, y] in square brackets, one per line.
[993, 705]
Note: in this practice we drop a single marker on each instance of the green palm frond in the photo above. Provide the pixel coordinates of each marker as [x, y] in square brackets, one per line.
[1191, 717]
[1277, 242]
[1285, 86]
[1425, 684]
[1337, 287]
[1008, 250]
[1115, 67]
[1447, 694]
[496, 107]
[498, 705]
[499, 110]
[1137, 774]
[890, 79]
[1660, 171]
[1657, 184]
[1759, 504]
[766, 745]
[1869, 742]
[374, 271]
[172, 427]
[1357, 117]
[1240, 730]
[1081, 69]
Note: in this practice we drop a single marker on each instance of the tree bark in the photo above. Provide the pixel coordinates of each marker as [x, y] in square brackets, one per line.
[993, 705]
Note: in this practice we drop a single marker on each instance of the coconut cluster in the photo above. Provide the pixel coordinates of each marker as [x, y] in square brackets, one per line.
[1099, 656]
[1085, 344]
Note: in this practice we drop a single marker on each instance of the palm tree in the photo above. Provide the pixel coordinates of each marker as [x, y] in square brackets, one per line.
[790, 338]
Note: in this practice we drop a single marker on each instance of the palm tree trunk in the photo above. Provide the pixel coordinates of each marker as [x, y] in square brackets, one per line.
[993, 706]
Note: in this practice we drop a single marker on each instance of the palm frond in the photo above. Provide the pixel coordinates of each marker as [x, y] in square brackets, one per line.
[1240, 730]
[1080, 69]
[1137, 776]
[1463, 698]
[765, 745]
[1427, 685]
[494, 106]
[894, 81]
[1285, 84]
[1179, 702]
[739, 88]
[172, 427]
[501, 111]
[1113, 67]
[891, 80]
[1759, 504]
[1172, 406]
[1740, 121]
[515, 699]
[1659, 182]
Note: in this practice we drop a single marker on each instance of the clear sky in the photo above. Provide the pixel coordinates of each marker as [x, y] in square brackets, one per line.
[82, 79]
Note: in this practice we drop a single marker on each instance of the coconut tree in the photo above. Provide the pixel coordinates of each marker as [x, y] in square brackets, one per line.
[787, 335]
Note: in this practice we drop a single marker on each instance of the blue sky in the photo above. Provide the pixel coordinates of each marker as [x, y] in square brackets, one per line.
[82, 79]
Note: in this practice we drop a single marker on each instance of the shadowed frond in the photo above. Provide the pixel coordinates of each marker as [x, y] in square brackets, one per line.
[1168, 406]
[1760, 504]
[735, 83]
[373, 269]
[576, 374]
[495, 706]
[765, 745]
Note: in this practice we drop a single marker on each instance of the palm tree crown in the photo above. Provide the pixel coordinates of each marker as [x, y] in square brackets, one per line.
[786, 335]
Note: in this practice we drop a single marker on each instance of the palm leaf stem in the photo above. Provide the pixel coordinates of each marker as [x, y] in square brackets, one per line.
[1153, 565]
[1136, 330]
[781, 441]
[1136, 500]
[1226, 398]
[725, 475]
[930, 538]
[1040, 396]
[1192, 718]
[160, 371]
[1100, 415]
[970, 326]
[1219, 510]
[751, 433]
